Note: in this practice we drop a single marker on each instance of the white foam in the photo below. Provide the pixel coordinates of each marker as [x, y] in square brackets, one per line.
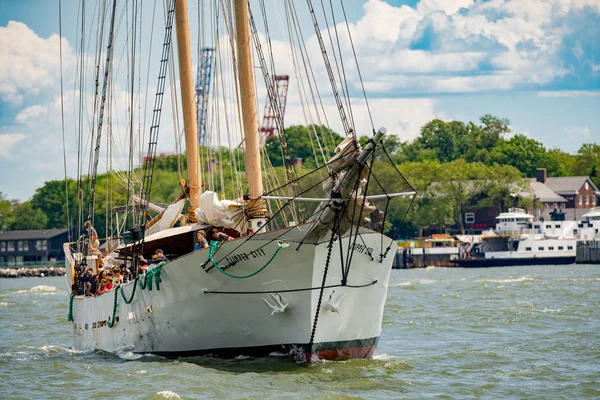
[383, 357]
[167, 394]
[4, 303]
[56, 349]
[508, 280]
[39, 289]
[415, 282]
[128, 355]
[545, 310]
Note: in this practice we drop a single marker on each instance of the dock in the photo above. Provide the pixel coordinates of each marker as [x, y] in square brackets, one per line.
[588, 252]
[419, 257]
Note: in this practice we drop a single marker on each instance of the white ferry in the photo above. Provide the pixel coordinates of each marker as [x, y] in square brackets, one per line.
[518, 240]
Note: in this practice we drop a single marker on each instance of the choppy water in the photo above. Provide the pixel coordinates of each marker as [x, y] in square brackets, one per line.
[518, 332]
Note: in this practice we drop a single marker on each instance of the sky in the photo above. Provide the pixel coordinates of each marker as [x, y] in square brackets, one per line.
[534, 62]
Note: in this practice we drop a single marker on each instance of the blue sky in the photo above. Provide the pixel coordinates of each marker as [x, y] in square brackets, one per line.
[535, 62]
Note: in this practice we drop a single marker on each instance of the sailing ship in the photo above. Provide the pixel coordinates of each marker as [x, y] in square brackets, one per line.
[309, 284]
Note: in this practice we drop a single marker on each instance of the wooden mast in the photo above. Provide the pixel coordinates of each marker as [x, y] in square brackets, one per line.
[249, 114]
[187, 100]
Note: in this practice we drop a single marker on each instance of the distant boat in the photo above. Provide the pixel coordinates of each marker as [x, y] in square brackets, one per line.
[517, 240]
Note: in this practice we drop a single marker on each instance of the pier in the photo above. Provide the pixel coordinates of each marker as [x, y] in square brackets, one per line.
[588, 252]
[418, 257]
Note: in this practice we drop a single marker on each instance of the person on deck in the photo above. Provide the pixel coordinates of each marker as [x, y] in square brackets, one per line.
[202, 242]
[159, 256]
[90, 230]
[86, 279]
[221, 236]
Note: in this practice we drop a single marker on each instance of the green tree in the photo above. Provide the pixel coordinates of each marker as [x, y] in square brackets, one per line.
[26, 216]
[5, 212]
[587, 162]
[526, 155]
[314, 144]
[52, 200]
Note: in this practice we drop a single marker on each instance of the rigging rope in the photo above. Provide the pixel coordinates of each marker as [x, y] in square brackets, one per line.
[340, 106]
[62, 119]
[109, 51]
[318, 309]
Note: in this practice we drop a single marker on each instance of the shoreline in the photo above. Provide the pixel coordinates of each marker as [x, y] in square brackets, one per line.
[31, 272]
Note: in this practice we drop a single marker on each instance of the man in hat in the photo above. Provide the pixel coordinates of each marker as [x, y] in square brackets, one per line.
[159, 256]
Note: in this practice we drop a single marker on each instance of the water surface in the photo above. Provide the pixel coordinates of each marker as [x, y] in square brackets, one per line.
[513, 332]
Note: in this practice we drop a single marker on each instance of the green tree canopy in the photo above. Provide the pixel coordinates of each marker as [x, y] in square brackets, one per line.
[26, 216]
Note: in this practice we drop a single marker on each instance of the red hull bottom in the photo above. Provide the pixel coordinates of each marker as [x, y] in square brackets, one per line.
[362, 348]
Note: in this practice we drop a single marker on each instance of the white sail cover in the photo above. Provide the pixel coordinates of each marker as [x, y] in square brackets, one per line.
[168, 218]
[225, 213]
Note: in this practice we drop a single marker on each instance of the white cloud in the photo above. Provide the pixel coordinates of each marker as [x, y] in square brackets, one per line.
[578, 132]
[448, 6]
[569, 93]
[27, 114]
[8, 140]
[462, 45]
[30, 63]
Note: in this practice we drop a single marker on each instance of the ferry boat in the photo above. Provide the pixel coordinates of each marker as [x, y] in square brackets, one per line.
[518, 240]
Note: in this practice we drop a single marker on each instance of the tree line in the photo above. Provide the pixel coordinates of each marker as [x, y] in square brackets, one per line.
[453, 166]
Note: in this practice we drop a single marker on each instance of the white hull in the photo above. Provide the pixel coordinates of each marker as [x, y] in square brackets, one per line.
[187, 317]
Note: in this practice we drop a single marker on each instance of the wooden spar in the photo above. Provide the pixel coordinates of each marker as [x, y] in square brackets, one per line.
[249, 114]
[187, 100]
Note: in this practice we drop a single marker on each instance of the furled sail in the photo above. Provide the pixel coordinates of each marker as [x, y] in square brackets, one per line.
[225, 213]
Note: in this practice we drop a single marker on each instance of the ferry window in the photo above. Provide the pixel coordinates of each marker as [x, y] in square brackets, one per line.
[2, 246]
[569, 247]
[10, 246]
[527, 248]
[557, 226]
[561, 248]
[540, 248]
[470, 218]
[551, 248]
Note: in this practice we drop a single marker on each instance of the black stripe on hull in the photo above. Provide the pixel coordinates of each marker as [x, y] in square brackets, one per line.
[509, 262]
[360, 348]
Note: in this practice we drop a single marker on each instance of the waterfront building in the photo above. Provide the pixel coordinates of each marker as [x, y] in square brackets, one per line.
[18, 248]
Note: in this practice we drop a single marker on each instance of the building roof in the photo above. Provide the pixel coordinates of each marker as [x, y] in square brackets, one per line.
[545, 194]
[568, 184]
[31, 234]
